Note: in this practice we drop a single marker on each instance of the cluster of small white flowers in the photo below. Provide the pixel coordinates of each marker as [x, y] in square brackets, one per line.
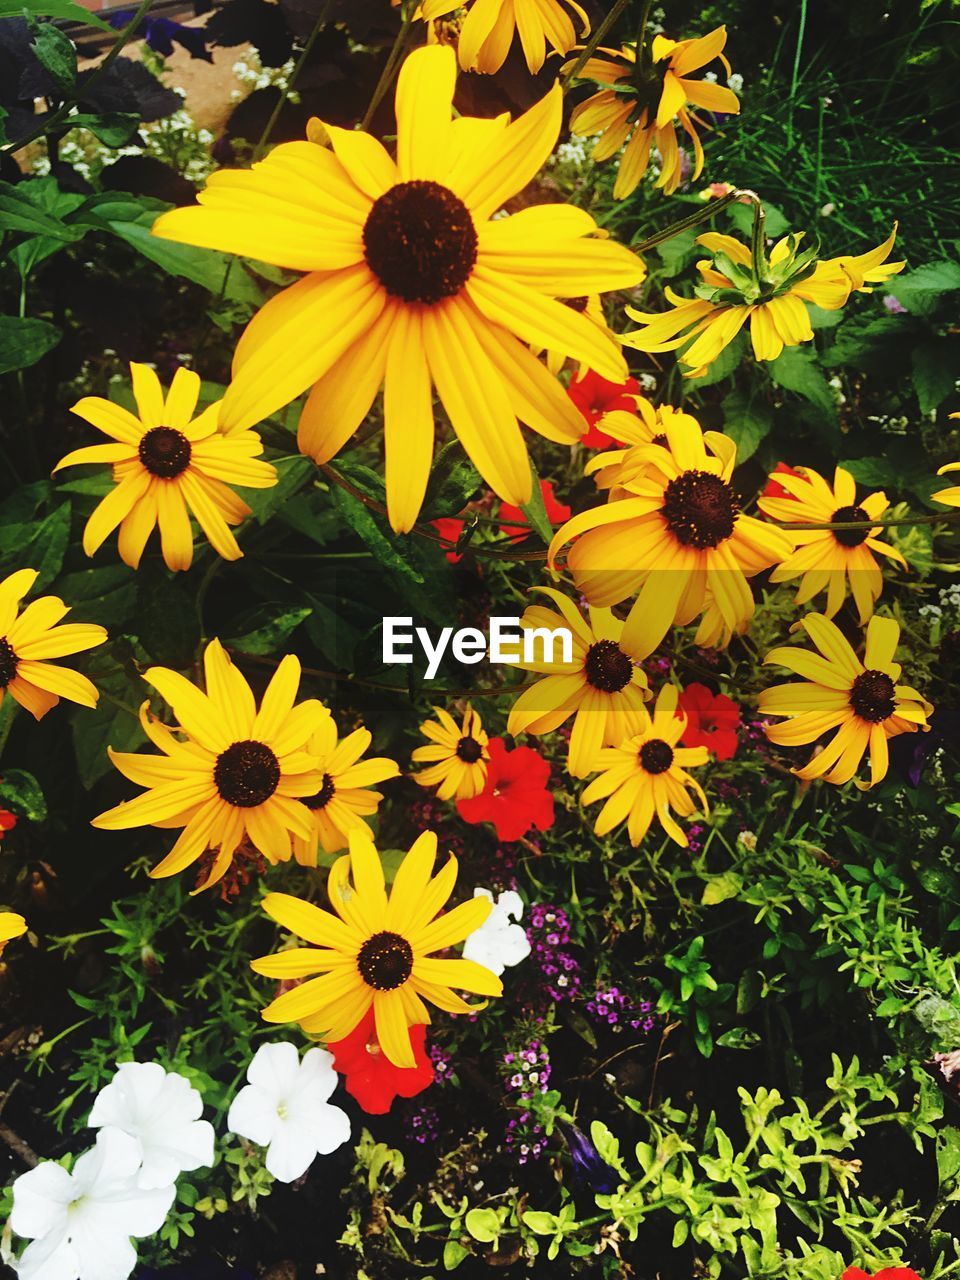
[950, 597]
[252, 74]
[646, 382]
[573, 153]
[735, 82]
[836, 386]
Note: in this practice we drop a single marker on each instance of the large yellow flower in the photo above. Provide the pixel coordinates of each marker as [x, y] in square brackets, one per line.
[227, 771]
[12, 925]
[413, 284]
[827, 559]
[645, 776]
[456, 757]
[950, 497]
[344, 797]
[167, 466]
[861, 700]
[642, 101]
[613, 468]
[486, 32]
[601, 686]
[28, 639]
[770, 294]
[677, 534]
[377, 949]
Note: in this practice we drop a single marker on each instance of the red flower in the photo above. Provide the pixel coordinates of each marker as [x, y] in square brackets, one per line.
[774, 490]
[888, 1273]
[712, 721]
[594, 396]
[8, 820]
[370, 1076]
[516, 796]
[450, 529]
[511, 517]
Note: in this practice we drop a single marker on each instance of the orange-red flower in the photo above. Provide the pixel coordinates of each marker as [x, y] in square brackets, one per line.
[516, 797]
[712, 721]
[595, 397]
[369, 1075]
[513, 520]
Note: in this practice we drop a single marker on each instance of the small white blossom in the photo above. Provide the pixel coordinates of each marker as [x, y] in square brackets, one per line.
[499, 943]
[735, 82]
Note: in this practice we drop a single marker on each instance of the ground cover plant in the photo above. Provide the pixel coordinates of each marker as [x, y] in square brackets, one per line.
[331, 946]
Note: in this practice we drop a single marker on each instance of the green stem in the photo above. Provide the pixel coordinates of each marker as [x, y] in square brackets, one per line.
[595, 38]
[318, 26]
[709, 210]
[795, 77]
[948, 517]
[757, 253]
[643, 52]
[390, 67]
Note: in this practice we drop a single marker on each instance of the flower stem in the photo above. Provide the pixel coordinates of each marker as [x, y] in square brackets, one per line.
[947, 517]
[595, 38]
[390, 67]
[711, 208]
[757, 253]
[268, 128]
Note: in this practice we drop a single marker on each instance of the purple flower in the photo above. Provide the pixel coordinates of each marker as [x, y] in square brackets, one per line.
[894, 305]
[161, 34]
[589, 1167]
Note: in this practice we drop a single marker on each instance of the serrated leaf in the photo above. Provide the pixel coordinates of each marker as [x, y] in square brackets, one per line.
[921, 290]
[57, 55]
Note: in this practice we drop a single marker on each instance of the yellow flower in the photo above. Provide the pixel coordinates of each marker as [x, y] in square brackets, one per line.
[643, 100]
[486, 32]
[861, 700]
[644, 777]
[12, 926]
[949, 497]
[343, 798]
[457, 757]
[412, 284]
[601, 686]
[827, 559]
[615, 467]
[771, 297]
[228, 772]
[167, 466]
[676, 534]
[590, 306]
[27, 639]
[377, 949]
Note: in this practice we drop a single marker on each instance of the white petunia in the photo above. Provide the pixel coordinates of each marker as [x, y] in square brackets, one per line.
[284, 1108]
[499, 943]
[161, 1111]
[81, 1222]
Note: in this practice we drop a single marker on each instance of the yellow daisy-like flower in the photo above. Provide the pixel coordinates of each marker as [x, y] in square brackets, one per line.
[642, 100]
[647, 426]
[228, 771]
[413, 284]
[645, 776]
[590, 306]
[344, 797]
[487, 29]
[456, 758]
[29, 638]
[861, 700]
[601, 686]
[770, 294]
[377, 949]
[167, 466]
[12, 925]
[677, 533]
[827, 559]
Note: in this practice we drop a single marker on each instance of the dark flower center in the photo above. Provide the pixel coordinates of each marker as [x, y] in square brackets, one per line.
[700, 509]
[420, 242]
[469, 750]
[8, 663]
[850, 537]
[323, 797]
[246, 774]
[577, 304]
[656, 756]
[872, 697]
[164, 452]
[661, 438]
[607, 667]
[385, 961]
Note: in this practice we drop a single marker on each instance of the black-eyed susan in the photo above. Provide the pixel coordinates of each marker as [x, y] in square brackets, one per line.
[771, 293]
[413, 284]
[12, 925]
[648, 425]
[377, 951]
[228, 772]
[676, 534]
[456, 757]
[590, 306]
[344, 797]
[488, 26]
[862, 700]
[950, 497]
[601, 686]
[167, 466]
[30, 638]
[641, 98]
[829, 559]
[645, 776]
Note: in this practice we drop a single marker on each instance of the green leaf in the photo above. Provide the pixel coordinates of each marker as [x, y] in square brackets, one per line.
[66, 10]
[680, 249]
[483, 1224]
[535, 510]
[453, 1254]
[18, 212]
[720, 888]
[741, 215]
[384, 546]
[747, 421]
[112, 723]
[21, 793]
[453, 482]
[273, 634]
[292, 473]
[796, 369]
[725, 364]
[112, 128]
[57, 55]
[541, 1224]
[107, 595]
[920, 291]
[936, 368]
[25, 341]
[49, 545]
[738, 1038]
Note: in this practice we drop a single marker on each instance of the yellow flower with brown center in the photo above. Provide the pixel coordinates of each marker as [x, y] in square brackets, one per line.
[677, 532]
[412, 284]
[645, 776]
[30, 638]
[770, 293]
[344, 797]
[488, 27]
[862, 700]
[949, 497]
[642, 98]
[601, 686]
[167, 466]
[12, 925]
[648, 425]
[378, 949]
[227, 771]
[829, 559]
[456, 757]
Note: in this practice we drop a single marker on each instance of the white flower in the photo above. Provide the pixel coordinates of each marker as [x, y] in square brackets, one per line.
[161, 1111]
[498, 944]
[81, 1222]
[284, 1108]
